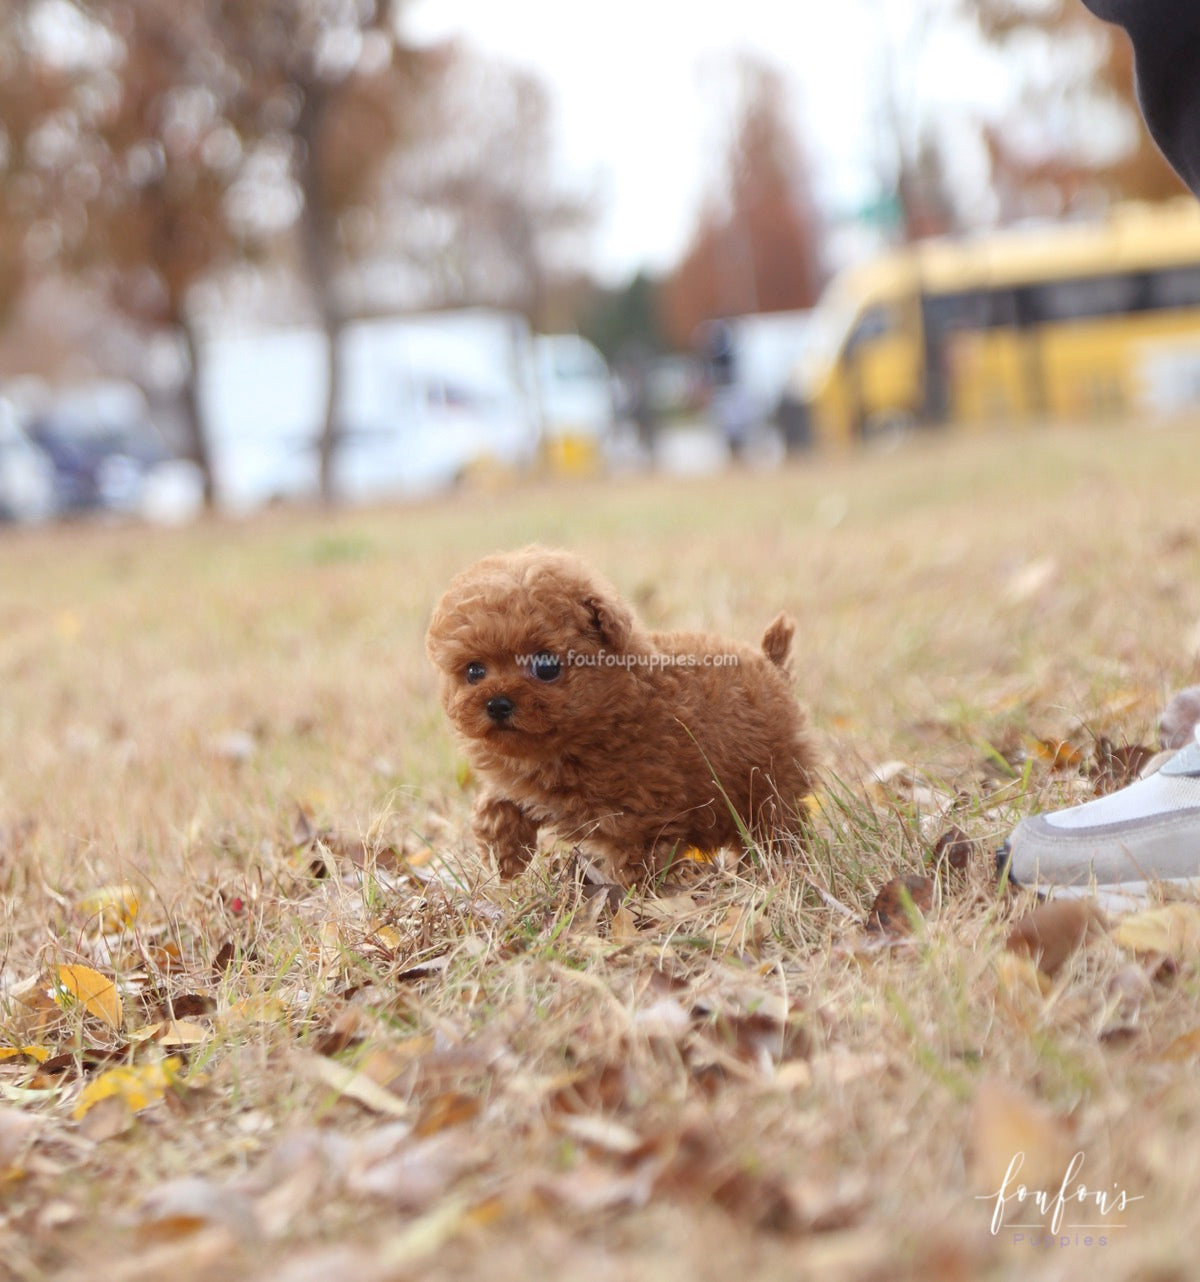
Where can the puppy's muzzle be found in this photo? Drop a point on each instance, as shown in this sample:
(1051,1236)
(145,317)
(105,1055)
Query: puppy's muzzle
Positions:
(500,709)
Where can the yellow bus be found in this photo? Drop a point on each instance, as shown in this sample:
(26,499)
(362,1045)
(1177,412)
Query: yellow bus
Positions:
(1074,321)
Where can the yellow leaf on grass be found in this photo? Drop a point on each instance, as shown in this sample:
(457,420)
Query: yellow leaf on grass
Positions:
(172,1032)
(113,907)
(389,937)
(39,1053)
(137,1086)
(1173,929)
(1058,754)
(96,993)
(696,855)
(259,1009)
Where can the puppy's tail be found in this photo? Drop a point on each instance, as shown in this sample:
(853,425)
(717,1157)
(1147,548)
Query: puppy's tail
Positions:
(777,640)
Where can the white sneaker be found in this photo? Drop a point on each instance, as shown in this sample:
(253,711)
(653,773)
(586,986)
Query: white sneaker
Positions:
(1148,832)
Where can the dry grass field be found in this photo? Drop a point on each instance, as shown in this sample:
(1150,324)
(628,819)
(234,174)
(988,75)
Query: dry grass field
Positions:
(264,1014)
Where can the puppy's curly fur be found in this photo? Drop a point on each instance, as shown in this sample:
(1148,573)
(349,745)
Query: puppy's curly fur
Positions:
(634,744)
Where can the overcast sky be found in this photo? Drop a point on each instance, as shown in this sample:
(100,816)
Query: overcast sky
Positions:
(641,107)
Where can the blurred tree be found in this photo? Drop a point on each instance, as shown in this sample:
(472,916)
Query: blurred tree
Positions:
(185,138)
(20,108)
(121,157)
(156,172)
(483,210)
(757,246)
(1044,155)
(619,319)
(916,198)
(337,89)
(191,135)
(43,107)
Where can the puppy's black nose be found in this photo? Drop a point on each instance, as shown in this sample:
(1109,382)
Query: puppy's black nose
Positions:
(500,708)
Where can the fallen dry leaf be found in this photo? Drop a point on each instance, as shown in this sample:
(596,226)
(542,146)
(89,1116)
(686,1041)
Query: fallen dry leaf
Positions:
(387,1064)
(187,1205)
(622,928)
(137,1086)
(815,1205)
(598,1131)
(452,1108)
(1057,754)
(172,1032)
(348,1029)
(669,910)
(17,1129)
(899,902)
(39,1054)
(952,852)
(111,907)
(95,993)
(1050,933)
(1020,979)
(189,1005)
(596,1186)
(105,1120)
(1010,1129)
(262,1008)
(355,1085)
(427,1234)
(743,928)
(1173,931)
(414,1175)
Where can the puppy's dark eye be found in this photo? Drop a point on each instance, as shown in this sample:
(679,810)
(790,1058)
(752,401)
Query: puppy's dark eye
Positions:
(545,667)
(475,673)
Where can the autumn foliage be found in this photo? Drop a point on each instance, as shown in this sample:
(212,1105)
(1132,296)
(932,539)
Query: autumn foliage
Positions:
(1064,171)
(757,247)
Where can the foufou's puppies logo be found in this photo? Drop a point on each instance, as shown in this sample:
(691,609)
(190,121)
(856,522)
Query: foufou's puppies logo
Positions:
(1094,1212)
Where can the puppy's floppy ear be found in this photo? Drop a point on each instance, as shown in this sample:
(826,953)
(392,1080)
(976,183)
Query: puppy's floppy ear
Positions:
(611,621)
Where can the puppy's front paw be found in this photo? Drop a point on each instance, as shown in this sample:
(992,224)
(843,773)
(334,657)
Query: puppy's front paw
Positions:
(506,832)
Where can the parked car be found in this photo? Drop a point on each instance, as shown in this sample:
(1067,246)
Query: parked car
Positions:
(102,446)
(27,490)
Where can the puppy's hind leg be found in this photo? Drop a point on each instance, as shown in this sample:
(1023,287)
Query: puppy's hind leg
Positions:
(505,832)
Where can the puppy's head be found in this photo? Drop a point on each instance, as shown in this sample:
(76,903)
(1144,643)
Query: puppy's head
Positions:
(529,646)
